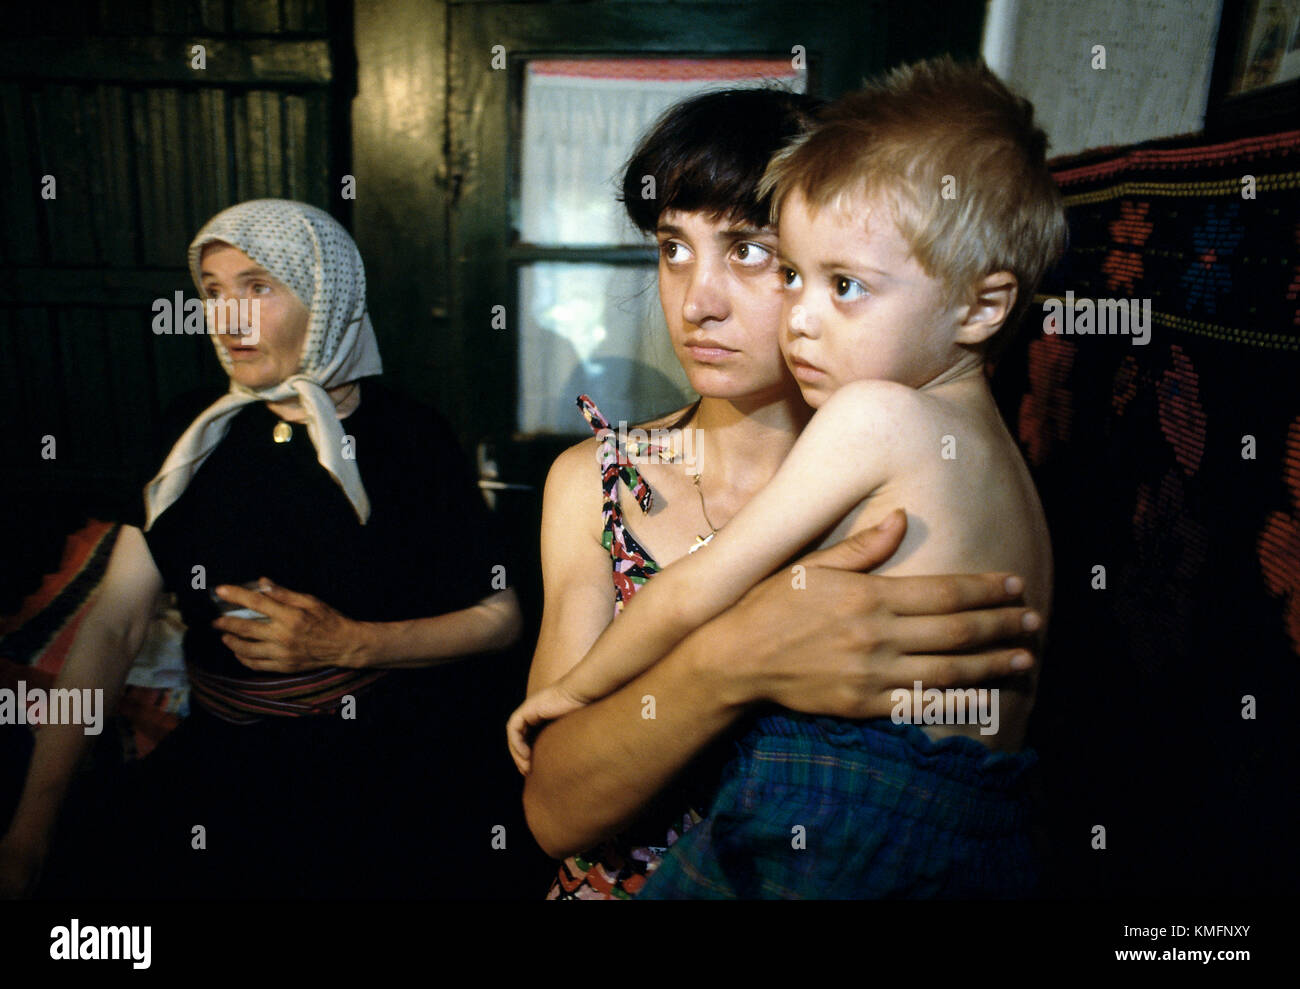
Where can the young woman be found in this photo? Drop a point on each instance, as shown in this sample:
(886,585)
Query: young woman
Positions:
(610,786)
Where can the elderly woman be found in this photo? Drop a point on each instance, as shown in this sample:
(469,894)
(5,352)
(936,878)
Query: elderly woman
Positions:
(310,482)
(609,786)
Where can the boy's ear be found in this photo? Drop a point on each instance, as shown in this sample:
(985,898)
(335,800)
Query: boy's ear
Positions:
(992,299)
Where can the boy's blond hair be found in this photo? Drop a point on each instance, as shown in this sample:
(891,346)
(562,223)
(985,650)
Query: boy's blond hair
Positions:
(958,159)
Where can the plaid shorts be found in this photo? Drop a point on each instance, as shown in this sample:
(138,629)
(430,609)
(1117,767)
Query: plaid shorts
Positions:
(823,808)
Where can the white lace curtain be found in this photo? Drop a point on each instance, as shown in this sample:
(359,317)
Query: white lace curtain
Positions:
(598,328)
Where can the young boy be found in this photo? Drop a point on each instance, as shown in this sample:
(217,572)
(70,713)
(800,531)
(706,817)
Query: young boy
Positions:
(915,222)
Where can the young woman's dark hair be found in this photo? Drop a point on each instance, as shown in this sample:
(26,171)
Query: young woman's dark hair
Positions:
(708,153)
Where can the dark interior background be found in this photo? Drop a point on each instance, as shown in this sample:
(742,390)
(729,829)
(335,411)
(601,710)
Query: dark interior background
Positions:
(297,95)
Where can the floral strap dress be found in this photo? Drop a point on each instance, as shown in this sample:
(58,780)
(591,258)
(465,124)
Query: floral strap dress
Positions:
(618,868)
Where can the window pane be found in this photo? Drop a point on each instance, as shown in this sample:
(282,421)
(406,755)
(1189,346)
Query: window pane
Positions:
(581,120)
(594,329)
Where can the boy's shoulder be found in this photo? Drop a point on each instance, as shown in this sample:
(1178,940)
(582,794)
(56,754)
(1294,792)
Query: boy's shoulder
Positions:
(868,406)
(889,421)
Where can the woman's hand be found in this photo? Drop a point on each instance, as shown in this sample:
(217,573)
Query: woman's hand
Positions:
(299,633)
(840,643)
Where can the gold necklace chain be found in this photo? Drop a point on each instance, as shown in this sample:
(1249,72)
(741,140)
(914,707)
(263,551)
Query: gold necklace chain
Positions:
(704,511)
(669,455)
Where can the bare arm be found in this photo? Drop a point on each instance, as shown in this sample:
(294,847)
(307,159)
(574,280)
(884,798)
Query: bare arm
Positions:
(493,623)
(105,647)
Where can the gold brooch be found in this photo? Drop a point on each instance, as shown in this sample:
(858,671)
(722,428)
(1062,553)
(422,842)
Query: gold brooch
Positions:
(282,433)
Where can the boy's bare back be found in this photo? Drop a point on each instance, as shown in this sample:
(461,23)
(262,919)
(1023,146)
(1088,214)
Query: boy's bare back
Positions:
(971,507)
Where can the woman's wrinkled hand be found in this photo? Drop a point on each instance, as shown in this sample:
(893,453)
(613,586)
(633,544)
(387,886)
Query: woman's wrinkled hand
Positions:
(829,640)
(299,633)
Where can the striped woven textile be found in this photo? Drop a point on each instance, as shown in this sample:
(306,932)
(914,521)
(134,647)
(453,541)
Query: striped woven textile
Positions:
(43,628)
(34,641)
(242,701)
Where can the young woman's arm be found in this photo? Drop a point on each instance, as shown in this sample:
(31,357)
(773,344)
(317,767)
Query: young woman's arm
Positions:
(577,582)
(106,645)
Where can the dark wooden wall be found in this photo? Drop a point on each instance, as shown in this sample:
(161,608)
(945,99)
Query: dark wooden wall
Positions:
(295,95)
(143,148)
(434,131)
(399,128)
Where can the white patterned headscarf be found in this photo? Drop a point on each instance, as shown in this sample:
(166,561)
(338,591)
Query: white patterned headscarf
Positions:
(307,250)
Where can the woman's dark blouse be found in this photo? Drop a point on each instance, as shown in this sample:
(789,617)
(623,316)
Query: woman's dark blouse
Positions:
(322,806)
(259,508)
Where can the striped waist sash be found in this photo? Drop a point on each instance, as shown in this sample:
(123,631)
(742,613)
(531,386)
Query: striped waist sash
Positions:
(244,701)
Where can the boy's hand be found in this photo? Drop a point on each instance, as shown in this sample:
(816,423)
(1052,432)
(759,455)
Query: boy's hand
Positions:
(547,704)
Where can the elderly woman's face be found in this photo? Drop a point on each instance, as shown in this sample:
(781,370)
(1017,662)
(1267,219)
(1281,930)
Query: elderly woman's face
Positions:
(721,294)
(272,354)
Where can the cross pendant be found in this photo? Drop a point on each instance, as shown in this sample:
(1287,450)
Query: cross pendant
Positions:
(702,541)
